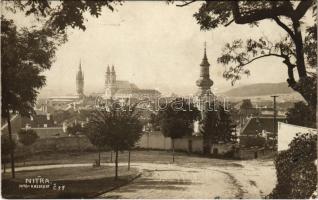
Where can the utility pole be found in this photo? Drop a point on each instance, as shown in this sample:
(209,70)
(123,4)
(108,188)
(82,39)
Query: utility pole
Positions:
(275,115)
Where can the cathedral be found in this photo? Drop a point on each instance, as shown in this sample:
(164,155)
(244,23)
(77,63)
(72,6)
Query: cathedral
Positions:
(115,89)
(119,89)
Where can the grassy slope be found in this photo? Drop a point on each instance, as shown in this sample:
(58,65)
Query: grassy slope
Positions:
(80,182)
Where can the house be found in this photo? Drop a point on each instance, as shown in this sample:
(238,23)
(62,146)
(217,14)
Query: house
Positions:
(258,130)
(39,120)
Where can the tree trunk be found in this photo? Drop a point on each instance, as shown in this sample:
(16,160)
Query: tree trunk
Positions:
(116,164)
(4,168)
(300,62)
(128,160)
(111,156)
(24,156)
(78,143)
(206,143)
(98,157)
(306,85)
(147,141)
(173,150)
(11,149)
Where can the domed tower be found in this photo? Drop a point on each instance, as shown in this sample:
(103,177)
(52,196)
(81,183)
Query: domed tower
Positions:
(204,98)
(80,81)
(204,82)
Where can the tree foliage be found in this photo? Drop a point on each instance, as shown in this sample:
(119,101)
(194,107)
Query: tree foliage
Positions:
(293,51)
(61,14)
(217,126)
(310,44)
(176,119)
(75,129)
(154,121)
(61,115)
(119,129)
(301,115)
(27,137)
(25,54)
(296,170)
(246,104)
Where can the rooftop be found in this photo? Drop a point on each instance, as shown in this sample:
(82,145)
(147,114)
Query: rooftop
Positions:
(258,124)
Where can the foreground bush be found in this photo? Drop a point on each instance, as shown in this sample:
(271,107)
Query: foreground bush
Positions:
(296,169)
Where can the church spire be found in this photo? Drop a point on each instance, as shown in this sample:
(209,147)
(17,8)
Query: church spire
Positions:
(113,75)
(205,61)
(108,70)
(113,69)
(204,82)
(107,80)
(80,80)
(79,74)
(80,66)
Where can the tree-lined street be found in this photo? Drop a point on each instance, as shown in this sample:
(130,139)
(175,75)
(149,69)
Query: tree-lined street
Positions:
(188,177)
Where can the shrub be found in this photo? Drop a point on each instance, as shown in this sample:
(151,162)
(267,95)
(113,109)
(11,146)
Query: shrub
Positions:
(296,170)
(252,141)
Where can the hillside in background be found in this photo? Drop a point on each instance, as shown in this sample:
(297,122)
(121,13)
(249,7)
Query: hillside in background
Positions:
(260,89)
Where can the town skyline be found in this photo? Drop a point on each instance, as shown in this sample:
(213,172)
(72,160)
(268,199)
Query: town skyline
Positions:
(135,100)
(154,58)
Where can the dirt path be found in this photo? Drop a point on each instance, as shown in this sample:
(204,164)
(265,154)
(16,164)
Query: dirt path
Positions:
(173,181)
(241,179)
(247,179)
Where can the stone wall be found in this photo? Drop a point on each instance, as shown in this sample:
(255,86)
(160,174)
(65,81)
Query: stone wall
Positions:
(189,144)
(154,140)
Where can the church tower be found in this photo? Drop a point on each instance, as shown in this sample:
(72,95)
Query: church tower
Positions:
(113,75)
(204,98)
(80,81)
(110,83)
(204,82)
(107,79)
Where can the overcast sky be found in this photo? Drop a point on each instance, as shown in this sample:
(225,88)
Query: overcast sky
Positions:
(155,45)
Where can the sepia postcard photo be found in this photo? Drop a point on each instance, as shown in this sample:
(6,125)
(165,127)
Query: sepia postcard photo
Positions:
(184,99)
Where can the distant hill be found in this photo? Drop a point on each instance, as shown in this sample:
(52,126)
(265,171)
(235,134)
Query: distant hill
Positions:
(259,89)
